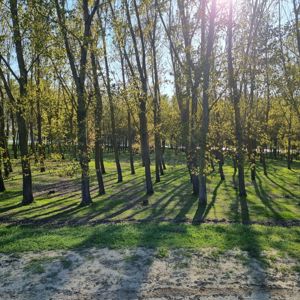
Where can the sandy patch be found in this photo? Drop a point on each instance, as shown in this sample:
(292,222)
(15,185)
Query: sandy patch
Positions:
(146,274)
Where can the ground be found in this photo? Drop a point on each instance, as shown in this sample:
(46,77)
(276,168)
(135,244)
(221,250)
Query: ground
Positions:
(275,197)
(119,249)
(146,274)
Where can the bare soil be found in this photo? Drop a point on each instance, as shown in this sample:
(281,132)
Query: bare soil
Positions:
(147,274)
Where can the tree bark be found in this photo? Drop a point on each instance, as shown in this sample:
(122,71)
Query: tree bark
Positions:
(41,148)
(142,69)
(111,106)
(156,103)
(205,106)
(23,79)
(130,143)
(235,98)
(98,118)
(2,141)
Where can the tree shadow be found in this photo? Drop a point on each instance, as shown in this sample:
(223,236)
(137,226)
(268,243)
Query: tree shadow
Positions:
(204,209)
(281,187)
(266,199)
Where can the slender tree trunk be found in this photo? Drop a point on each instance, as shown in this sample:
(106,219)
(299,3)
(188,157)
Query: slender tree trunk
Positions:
(112,109)
(23,79)
(13,130)
(234,161)
(82,147)
(235,96)
(145,145)
(41,149)
(102,166)
(205,106)
(130,143)
(163,155)
(2,141)
(98,118)
(253,165)
(263,161)
(6,154)
(221,164)
(289,158)
(142,69)
(79,76)
(156,103)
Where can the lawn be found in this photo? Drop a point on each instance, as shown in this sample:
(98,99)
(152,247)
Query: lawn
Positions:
(56,221)
(271,198)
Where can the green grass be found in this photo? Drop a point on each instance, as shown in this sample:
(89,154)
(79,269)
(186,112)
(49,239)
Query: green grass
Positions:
(254,239)
(272,197)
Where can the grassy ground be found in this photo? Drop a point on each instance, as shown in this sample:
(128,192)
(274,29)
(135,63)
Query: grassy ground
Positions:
(272,198)
(270,249)
(254,239)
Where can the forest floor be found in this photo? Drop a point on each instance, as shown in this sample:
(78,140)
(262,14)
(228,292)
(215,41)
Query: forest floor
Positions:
(143,273)
(274,198)
(117,248)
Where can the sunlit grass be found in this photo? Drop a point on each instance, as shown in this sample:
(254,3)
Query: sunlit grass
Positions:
(275,197)
(254,239)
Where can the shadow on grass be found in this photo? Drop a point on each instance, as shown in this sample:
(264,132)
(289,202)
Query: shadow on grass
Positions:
(204,209)
(281,187)
(7,195)
(265,199)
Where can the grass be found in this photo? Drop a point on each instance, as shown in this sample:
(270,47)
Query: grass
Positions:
(271,198)
(254,239)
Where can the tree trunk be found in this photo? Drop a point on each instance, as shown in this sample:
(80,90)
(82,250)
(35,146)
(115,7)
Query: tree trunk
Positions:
(112,109)
(98,118)
(263,161)
(156,103)
(163,154)
(235,97)
(4,140)
(23,79)
(13,130)
(2,137)
(289,157)
(234,161)
(221,163)
(145,146)
(41,149)
(253,165)
(205,106)
(83,149)
(130,144)
(140,57)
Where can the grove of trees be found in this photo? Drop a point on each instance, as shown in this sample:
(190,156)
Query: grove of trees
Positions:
(214,79)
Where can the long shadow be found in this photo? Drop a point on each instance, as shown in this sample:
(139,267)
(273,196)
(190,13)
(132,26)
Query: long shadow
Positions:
(248,241)
(281,187)
(137,200)
(73,194)
(7,195)
(213,200)
(160,212)
(7,208)
(244,210)
(204,209)
(156,213)
(234,214)
(266,199)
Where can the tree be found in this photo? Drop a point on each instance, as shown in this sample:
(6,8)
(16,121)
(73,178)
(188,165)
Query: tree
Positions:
(79,77)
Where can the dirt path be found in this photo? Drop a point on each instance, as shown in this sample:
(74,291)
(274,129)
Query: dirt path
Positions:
(146,274)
